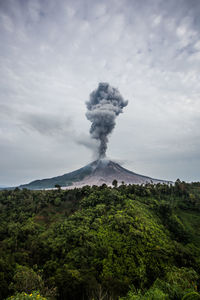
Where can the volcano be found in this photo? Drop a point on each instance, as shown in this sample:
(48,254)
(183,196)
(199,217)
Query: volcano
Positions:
(96,173)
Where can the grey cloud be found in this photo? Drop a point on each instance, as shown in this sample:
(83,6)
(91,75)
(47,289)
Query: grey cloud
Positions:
(46,124)
(53,53)
(86,141)
(58,128)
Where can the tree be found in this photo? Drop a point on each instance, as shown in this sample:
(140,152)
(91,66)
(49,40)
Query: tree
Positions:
(58,186)
(114,183)
(26,280)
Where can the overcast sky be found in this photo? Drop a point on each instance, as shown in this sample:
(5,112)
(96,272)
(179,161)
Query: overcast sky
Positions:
(54,53)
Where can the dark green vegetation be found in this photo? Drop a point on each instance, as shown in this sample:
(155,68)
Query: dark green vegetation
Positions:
(133,242)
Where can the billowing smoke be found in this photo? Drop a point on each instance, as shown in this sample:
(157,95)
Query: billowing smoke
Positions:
(104,106)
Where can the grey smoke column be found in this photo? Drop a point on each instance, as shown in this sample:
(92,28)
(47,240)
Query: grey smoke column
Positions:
(104,106)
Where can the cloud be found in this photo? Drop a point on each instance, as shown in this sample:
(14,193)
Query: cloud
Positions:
(53,54)
(90,144)
(46,124)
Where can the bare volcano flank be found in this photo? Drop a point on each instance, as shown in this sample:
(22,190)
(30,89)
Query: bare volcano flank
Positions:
(96,173)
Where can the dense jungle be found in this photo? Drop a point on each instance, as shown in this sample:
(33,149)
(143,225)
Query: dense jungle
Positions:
(93,243)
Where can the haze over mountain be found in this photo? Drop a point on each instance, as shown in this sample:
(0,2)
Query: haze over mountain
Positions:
(96,173)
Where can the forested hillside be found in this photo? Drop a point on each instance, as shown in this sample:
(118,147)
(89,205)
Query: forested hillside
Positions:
(127,242)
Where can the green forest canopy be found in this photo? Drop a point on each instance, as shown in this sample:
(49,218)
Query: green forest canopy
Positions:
(128,242)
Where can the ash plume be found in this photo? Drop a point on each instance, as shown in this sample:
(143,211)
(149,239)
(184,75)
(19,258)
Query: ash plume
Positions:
(104,106)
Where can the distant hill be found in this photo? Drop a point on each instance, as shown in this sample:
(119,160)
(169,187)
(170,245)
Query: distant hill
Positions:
(95,173)
(2,187)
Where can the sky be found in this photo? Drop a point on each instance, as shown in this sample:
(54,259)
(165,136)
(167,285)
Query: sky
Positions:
(53,54)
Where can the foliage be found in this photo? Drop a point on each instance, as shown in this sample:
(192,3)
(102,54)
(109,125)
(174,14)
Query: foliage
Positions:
(129,241)
(24,296)
(191,296)
(26,280)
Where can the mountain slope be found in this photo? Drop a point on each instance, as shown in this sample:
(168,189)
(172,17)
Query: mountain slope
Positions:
(95,173)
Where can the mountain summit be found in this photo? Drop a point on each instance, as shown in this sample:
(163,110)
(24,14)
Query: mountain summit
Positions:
(96,173)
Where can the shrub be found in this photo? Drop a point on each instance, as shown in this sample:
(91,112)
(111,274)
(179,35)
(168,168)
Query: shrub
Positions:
(23,296)
(191,296)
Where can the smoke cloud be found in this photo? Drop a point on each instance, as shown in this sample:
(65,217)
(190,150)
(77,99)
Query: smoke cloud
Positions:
(104,106)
